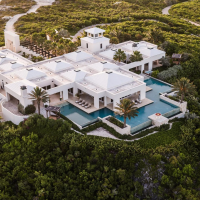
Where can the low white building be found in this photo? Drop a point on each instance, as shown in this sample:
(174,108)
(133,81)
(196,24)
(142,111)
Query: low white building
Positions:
(89,71)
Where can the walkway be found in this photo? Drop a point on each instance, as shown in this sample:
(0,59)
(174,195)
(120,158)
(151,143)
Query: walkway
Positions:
(165,11)
(10,24)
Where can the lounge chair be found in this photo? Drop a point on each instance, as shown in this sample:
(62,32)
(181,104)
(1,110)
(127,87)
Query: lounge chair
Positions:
(139,101)
(134,102)
(78,101)
(82,102)
(85,104)
(88,106)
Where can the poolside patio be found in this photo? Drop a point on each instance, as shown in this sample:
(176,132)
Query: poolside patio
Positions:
(88,99)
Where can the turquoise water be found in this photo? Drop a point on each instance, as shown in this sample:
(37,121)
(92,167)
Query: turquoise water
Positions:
(80,117)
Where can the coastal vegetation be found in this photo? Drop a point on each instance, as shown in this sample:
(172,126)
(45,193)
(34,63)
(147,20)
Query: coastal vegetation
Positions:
(11,8)
(188,10)
(45,159)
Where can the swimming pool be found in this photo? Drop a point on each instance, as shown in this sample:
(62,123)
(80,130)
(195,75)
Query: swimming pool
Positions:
(80,117)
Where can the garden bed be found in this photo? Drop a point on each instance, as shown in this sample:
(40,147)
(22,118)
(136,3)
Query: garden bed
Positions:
(116,122)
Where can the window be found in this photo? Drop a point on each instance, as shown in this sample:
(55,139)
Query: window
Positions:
(92,35)
(101,46)
(48,87)
(87,45)
(96,35)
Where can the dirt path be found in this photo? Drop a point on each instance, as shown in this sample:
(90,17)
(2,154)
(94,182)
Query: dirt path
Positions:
(10,24)
(165,11)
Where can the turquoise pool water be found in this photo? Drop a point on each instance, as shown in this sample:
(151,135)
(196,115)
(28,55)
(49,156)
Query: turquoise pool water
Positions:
(80,117)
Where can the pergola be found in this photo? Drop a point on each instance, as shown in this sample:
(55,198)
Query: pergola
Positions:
(55,111)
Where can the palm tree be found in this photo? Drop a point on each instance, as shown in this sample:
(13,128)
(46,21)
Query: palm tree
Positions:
(183,87)
(38,94)
(136,56)
(119,55)
(126,108)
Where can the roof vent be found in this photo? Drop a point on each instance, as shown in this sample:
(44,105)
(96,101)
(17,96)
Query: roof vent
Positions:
(114,49)
(29,69)
(23,87)
(134,45)
(2,56)
(77,70)
(13,62)
(58,61)
(104,62)
(78,51)
(109,72)
(150,48)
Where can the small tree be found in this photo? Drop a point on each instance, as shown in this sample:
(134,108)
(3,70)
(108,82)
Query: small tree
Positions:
(114,40)
(38,94)
(63,33)
(119,55)
(136,56)
(183,87)
(126,109)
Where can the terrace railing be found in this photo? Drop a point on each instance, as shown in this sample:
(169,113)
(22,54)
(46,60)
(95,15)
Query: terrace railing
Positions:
(172,113)
(141,126)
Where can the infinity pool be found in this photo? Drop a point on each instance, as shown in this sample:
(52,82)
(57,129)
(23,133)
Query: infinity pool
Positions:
(80,117)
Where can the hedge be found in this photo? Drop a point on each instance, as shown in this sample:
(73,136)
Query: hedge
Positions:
(115,121)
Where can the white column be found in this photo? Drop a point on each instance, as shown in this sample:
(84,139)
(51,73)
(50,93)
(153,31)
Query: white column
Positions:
(7,97)
(61,95)
(96,102)
(105,101)
(108,100)
(150,66)
(75,91)
(142,68)
(65,94)
(115,101)
(142,94)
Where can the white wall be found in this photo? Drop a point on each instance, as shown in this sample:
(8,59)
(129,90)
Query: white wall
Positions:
(12,41)
(25,101)
(94,47)
(183,106)
(9,116)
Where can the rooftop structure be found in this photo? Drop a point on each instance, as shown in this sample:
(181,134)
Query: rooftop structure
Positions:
(95,41)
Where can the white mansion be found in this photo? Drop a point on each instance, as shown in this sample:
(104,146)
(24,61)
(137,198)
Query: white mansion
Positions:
(89,71)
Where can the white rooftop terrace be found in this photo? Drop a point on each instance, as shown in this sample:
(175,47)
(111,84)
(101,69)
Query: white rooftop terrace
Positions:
(109,79)
(15,57)
(15,87)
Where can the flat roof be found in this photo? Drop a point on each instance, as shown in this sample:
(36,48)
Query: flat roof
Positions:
(109,79)
(95,30)
(78,55)
(15,87)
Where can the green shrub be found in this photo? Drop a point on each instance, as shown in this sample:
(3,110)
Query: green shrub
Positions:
(169,73)
(155,73)
(21,109)
(30,109)
(116,122)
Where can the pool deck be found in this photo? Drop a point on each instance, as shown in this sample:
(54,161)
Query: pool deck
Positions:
(88,99)
(92,109)
(148,89)
(145,102)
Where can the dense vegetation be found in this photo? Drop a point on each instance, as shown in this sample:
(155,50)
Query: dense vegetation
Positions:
(13,7)
(45,159)
(188,10)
